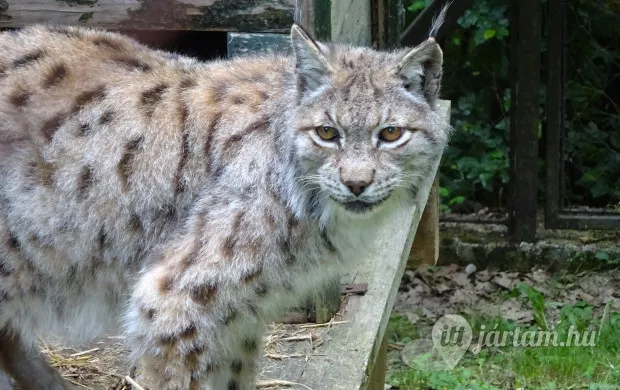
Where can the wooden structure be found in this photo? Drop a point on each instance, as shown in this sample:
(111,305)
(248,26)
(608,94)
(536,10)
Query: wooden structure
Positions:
(205,15)
(425,250)
(352,355)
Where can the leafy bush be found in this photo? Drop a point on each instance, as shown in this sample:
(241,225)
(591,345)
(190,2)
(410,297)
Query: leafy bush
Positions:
(592,145)
(476,79)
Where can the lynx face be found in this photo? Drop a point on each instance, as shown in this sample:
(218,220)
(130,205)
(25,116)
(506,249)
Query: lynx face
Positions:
(366,121)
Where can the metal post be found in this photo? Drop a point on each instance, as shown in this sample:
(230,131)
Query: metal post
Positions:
(554,202)
(524,124)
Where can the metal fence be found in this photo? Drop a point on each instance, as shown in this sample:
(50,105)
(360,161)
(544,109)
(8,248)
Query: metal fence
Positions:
(558,214)
(526,37)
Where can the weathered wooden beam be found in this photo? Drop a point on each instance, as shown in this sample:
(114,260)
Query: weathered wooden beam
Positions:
(388,22)
(425,249)
(525,46)
(239,44)
(207,15)
(377,377)
(351,22)
(315,18)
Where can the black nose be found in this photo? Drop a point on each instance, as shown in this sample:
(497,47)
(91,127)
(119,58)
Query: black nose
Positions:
(357,187)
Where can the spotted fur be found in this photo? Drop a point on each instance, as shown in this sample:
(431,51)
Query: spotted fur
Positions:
(188,202)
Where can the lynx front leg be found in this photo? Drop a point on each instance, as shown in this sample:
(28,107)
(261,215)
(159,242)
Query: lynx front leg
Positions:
(171,335)
(250,347)
(26,365)
(194,335)
(239,371)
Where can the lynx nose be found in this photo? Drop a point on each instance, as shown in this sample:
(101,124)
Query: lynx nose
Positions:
(357,177)
(357,187)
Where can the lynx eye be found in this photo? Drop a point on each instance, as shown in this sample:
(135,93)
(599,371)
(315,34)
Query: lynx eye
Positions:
(391,133)
(327,133)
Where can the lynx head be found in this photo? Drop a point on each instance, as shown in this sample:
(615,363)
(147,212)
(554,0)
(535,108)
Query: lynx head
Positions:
(367,121)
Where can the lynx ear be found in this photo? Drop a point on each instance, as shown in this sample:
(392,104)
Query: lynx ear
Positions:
(420,69)
(312,68)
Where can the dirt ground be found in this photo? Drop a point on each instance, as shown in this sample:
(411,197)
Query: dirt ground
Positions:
(424,296)
(427,294)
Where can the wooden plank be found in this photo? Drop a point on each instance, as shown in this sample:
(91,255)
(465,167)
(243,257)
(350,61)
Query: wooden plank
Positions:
(240,44)
(342,21)
(425,249)
(351,22)
(388,19)
(377,378)
(343,357)
(208,15)
(315,17)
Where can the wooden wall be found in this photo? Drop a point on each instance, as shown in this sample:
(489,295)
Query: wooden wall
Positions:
(207,15)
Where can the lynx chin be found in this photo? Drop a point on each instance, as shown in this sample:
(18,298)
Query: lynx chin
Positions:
(189,203)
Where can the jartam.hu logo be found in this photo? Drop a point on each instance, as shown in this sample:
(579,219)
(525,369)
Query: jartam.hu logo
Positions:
(452,336)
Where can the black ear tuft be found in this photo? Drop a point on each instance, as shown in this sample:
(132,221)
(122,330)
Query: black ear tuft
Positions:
(438,21)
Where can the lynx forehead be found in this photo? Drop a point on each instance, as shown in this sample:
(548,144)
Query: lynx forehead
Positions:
(182,199)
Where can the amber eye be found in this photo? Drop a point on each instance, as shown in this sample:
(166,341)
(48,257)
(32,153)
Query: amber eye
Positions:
(327,133)
(391,133)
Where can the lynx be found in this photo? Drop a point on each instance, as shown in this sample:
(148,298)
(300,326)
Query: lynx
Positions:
(187,202)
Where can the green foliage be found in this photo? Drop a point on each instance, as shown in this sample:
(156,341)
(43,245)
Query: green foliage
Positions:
(418,5)
(593,102)
(475,165)
(400,330)
(537,301)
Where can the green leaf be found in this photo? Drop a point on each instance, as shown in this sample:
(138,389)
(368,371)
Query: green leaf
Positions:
(457,200)
(417,5)
(537,300)
(602,255)
(599,189)
(488,34)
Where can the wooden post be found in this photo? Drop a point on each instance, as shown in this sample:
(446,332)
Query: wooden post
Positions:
(388,21)
(377,376)
(425,249)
